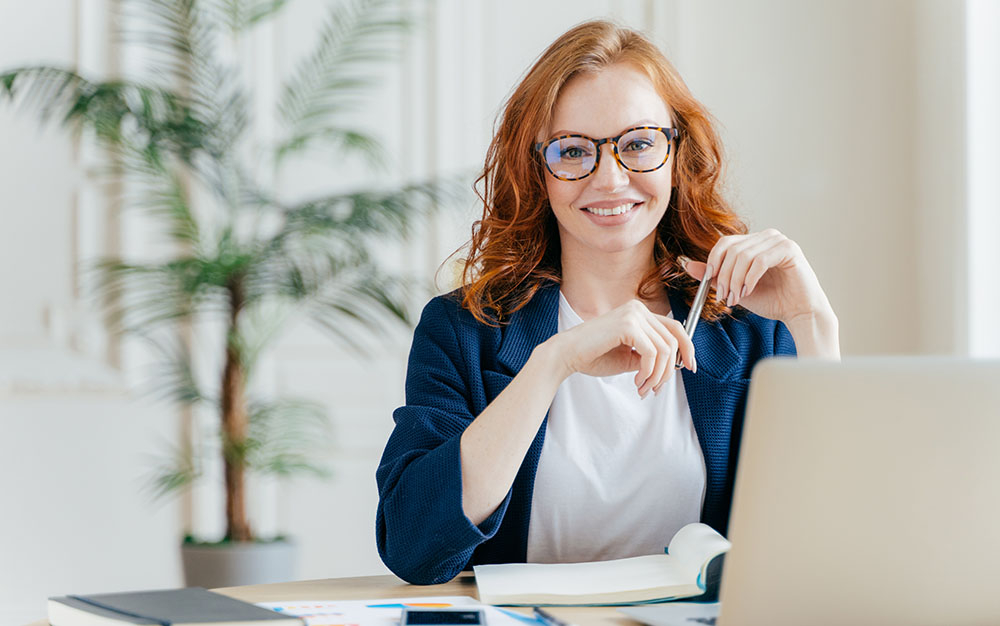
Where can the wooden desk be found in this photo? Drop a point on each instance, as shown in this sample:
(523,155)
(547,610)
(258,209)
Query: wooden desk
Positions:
(366,587)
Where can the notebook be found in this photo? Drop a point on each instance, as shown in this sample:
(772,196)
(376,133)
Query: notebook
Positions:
(688,568)
(175,607)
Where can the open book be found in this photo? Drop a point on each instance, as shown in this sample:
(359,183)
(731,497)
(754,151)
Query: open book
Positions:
(691,567)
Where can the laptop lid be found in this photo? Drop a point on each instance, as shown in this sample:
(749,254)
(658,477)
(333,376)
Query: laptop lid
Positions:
(867,492)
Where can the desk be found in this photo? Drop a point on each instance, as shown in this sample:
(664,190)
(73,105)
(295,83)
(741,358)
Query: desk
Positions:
(366,587)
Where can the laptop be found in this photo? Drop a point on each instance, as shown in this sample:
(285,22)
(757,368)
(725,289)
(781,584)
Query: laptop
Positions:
(867,492)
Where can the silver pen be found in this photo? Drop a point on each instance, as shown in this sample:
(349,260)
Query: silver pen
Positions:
(692,319)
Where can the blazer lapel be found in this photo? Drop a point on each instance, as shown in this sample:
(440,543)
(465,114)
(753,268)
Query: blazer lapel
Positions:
(713,349)
(531,325)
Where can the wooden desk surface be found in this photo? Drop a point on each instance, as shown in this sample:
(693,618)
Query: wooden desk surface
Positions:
(366,587)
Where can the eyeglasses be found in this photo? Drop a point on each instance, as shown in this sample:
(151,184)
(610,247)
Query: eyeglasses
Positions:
(639,149)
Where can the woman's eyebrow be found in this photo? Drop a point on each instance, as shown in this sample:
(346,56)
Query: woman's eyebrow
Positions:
(642,122)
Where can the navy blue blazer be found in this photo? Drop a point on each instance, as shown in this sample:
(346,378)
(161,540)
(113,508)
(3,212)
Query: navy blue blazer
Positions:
(457,366)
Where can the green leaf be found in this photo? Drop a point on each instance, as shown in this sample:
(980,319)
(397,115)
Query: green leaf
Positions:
(288,436)
(240,15)
(173,472)
(333,79)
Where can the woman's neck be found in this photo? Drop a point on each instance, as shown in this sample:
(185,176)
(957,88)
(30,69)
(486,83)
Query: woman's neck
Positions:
(595,283)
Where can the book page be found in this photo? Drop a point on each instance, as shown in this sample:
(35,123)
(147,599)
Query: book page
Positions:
(694,545)
(622,581)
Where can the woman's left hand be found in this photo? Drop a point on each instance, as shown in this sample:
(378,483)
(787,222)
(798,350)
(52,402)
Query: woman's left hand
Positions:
(766,273)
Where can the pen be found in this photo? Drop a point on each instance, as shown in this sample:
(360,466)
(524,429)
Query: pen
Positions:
(692,319)
(549,619)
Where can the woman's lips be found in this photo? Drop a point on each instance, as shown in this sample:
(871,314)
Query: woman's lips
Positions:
(613,220)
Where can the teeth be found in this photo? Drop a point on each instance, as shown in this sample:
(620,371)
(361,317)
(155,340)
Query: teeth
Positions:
(618,210)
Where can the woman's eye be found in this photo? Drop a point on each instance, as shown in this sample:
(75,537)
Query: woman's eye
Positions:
(573,152)
(638,145)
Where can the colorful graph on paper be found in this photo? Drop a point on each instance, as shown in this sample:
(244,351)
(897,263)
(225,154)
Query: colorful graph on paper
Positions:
(381,612)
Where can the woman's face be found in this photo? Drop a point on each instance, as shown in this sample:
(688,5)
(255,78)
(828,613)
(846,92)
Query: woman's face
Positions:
(599,105)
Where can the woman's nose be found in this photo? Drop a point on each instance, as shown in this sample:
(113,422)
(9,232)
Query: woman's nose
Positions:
(609,173)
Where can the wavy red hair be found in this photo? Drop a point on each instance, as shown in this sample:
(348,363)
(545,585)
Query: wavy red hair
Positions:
(514,247)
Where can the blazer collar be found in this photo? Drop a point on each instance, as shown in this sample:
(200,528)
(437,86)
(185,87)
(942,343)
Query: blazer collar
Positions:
(539,319)
(529,326)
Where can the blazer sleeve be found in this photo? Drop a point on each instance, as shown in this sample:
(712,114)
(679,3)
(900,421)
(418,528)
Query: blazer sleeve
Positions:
(422,533)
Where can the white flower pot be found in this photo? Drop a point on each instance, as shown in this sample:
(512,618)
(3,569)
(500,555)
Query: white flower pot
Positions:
(230,564)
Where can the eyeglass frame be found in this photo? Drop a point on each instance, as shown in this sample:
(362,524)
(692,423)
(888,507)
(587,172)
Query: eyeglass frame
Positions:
(670,133)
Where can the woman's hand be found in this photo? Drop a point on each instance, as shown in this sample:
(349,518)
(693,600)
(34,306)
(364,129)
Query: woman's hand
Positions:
(629,338)
(767,273)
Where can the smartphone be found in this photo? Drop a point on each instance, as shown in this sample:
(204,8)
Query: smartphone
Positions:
(452,616)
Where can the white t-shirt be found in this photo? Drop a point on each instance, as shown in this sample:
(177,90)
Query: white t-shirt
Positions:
(618,475)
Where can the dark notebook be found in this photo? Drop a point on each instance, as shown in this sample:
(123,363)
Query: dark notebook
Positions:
(168,607)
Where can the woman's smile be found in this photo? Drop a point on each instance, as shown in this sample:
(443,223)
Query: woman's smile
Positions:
(604,215)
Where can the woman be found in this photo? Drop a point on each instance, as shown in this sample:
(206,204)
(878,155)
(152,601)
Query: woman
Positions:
(543,421)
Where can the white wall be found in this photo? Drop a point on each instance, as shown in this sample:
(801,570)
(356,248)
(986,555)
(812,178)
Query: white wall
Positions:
(844,122)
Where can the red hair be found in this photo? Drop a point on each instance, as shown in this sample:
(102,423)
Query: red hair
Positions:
(514,248)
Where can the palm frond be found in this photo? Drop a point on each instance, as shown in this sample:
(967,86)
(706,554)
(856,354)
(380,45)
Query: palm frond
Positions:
(335,138)
(177,37)
(241,15)
(174,378)
(141,296)
(369,213)
(363,304)
(180,37)
(356,34)
(260,323)
(151,119)
(287,436)
(174,472)
(160,191)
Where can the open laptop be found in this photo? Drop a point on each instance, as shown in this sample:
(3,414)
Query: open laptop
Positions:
(867,492)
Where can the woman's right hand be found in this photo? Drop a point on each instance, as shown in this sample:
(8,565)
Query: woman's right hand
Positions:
(630,338)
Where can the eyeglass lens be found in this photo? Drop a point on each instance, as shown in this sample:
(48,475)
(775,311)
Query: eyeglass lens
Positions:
(640,150)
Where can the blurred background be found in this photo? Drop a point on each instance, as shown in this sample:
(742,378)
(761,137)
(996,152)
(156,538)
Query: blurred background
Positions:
(864,130)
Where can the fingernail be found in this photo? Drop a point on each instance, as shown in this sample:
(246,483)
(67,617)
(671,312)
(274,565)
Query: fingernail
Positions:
(730,299)
(709,270)
(683,260)
(695,370)
(743,294)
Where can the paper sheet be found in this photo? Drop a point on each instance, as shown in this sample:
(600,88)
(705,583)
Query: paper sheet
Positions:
(386,612)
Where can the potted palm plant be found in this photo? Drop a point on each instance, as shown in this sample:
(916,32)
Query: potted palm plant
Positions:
(181,137)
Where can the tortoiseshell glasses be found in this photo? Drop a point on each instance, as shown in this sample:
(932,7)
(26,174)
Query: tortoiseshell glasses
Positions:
(639,149)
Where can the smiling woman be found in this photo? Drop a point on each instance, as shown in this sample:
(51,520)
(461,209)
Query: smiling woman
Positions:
(529,431)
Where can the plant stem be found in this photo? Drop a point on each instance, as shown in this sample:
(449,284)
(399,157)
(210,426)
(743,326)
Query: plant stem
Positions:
(234,424)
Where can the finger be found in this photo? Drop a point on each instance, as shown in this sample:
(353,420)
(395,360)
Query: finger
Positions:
(677,335)
(780,248)
(682,345)
(694,269)
(667,345)
(757,270)
(664,355)
(639,340)
(715,258)
(723,285)
(743,259)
